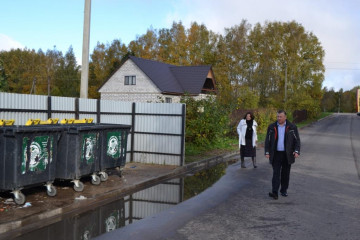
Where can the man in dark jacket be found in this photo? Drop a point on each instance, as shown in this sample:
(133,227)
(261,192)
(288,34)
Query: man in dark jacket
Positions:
(282,146)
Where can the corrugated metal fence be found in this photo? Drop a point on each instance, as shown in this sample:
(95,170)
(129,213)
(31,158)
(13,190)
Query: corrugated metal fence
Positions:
(158,129)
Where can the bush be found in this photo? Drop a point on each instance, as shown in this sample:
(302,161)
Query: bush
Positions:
(206,121)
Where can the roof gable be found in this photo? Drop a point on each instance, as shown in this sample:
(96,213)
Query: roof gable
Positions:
(191,78)
(171,78)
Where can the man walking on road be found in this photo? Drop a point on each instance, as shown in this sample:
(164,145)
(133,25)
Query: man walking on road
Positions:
(282,146)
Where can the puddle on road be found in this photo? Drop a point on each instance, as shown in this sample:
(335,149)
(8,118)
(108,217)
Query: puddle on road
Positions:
(131,208)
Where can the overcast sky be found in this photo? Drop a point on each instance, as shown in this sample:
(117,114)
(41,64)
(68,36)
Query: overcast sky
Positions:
(44,24)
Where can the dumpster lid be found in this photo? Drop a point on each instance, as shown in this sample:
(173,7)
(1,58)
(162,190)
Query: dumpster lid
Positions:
(99,126)
(32,129)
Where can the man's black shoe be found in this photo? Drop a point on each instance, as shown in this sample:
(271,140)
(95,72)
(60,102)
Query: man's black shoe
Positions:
(273,195)
(284,194)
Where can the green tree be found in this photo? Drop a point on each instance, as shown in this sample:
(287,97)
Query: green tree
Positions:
(145,46)
(68,76)
(105,60)
(201,45)
(231,64)
(173,47)
(248,99)
(53,59)
(3,79)
(328,102)
(21,67)
(285,54)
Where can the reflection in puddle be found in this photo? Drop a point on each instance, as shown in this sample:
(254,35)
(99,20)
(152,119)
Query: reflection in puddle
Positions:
(202,180)
(133,207)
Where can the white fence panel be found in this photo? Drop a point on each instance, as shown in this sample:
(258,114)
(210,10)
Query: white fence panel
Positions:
(157,159)
(116,119)
(115,106)
(62,104)
(88,105)
(158,124)
(157,143)
(159,108)
(23,101)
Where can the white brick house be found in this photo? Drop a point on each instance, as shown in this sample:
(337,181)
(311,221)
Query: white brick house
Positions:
(142,80)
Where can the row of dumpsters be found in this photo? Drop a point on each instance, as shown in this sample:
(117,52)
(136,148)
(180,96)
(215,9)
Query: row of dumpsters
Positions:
(40,152)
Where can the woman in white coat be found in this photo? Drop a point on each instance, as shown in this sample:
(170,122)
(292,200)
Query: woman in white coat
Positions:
(247,138)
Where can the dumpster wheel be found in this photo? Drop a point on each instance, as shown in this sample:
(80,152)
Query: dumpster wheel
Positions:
(103,176)
(19,197)
(78,186)
(95,179)
(51,191)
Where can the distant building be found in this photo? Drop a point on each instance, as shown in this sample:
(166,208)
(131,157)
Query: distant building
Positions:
(142,80)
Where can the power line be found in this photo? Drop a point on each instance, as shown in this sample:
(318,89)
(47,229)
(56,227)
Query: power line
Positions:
(343,62)
(346,69)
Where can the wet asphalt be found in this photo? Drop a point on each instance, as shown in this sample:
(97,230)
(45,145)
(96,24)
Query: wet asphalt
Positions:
(323,201)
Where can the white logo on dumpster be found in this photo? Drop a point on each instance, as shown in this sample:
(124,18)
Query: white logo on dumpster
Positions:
(89,148)
(35,153)
(113,145)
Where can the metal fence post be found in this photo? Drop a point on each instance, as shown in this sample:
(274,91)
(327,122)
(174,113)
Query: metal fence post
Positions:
(132,131)
(98,104)
(183,116)
(76,108)
(49,106)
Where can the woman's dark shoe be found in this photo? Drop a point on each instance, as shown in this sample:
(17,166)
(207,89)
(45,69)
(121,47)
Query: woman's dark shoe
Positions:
(243,163)
(273,195)
(254,162)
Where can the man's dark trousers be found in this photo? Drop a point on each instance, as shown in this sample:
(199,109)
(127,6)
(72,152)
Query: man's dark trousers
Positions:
(281,172)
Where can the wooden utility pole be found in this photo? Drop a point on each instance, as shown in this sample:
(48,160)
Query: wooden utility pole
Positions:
(85,51)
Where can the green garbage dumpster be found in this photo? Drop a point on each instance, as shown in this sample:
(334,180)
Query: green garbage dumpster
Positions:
(78,154)
(113,147)
(27,158)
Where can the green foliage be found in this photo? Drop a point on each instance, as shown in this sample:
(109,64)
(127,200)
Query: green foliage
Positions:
(3,80)
(264,117)
(27,71)
(68,76)
(206,121)
(339,101)
(247,99)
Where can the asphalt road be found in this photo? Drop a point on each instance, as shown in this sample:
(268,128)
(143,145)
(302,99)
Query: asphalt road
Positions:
(323,201)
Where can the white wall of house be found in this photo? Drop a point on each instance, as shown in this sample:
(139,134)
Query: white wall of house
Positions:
(143,91)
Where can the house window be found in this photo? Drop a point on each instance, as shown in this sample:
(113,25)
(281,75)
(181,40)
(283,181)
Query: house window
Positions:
(130,80)
(168,100)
